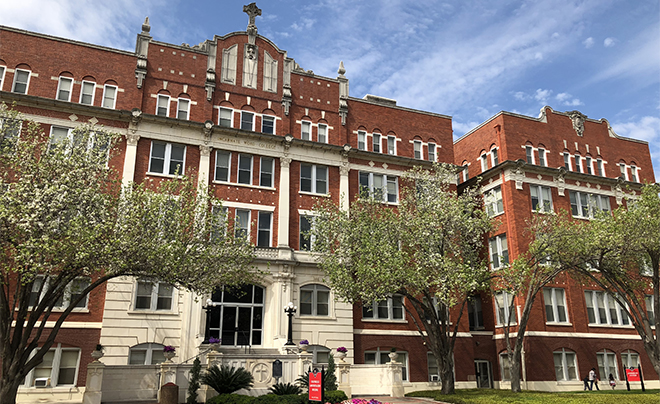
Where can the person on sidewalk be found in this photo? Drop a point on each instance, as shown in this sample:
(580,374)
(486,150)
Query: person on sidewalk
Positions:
(593,379)
(612,381)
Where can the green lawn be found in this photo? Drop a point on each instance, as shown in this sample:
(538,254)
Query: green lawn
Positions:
(489,396)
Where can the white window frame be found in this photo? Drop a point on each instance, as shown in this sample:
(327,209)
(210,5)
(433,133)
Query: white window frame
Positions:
(475,313)
(633,173)
(245,113)
(554,299)
(322,135)
(565,363)
(270,118)
(66,297)
(484,162)
(104,103)
(239,170)
(68,140)
(588,165)
(217,166)
(10,137)
(315,179)
(600,167)
(377,142)
(529,154)
(389,302)
(604,359)
(623,170)
(505,367)
(154,295)
(53,379)
(301,237)
(386,181)
(165,108)
(261,229)
(610,307)
(231,117)
(593,202)
(493,201)
(543,198)
(27,83)
(650,312)
(417,148)
(567,161)
(149,349)
(314,289)
(238,229)
(502,312)
(381,355)
(494,156)
(466,172)
(186,111)
(627,360)
(263,163)
(306,134)
(362,140)
(61,90)
(432,152)
(543,153)
(391,145)
(3,70)
(229,63)
(497,251)
(167,159)
(577,159)
(82,92)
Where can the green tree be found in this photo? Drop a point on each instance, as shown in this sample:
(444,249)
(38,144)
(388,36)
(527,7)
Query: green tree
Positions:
(67,226)
(429,250)
(193,382)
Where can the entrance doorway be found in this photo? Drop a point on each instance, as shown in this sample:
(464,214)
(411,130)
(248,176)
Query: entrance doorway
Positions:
(482,371)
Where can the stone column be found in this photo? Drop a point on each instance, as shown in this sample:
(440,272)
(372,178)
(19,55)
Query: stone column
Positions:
(343,186)
(394,374)
(344,378)
(205,392)
(304,362)
(283,211)
(94,384)
(129,159)
(204,166)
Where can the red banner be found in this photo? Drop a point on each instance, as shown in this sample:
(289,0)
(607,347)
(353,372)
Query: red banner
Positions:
(633,375)
(315,386)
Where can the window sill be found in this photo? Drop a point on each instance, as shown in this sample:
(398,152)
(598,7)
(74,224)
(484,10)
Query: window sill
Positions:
(629,327)
(152,312)
(383,320)
(314,194)
(558,323)
(496,214)
(502,325)
(164,175)
(313,317)
(236,184)
(61,388)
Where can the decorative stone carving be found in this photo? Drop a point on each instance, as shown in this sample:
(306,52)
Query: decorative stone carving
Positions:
(287,98)
(73,117)
(577,118)
(343,93)
(560,182)
(618,190)
(93,120)
(141,70)
(208,131)
(250,66)
(209,86)
(344,169)
(252,11)
(136,116)
(519,174)
(205,150)
(385,166)
(146,27)
(132,139)
(285,162)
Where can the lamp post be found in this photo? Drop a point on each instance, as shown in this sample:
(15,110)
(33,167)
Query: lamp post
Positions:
(207,332)
(290,310)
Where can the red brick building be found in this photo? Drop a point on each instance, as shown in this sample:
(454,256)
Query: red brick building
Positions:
(268,138)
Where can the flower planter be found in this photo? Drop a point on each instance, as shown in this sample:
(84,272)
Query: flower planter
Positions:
(169,355)
(340,356)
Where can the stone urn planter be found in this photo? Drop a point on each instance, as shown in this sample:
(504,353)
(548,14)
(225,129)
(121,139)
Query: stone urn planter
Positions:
(393,356)
(303,348)
(169,355)
(215,346)
(97,355)
(341,356)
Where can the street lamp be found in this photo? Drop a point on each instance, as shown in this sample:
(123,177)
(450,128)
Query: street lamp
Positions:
(290,310)
(207,334)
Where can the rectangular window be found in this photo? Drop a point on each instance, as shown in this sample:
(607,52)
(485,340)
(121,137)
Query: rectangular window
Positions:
(390,309)
(565,365)
(529,154)
(376,142)
(109,96)
(163,105)
(567,161)
(499,251)
(183,109)
(267,167)
(391,145)
(247,120)
(584,205)
(87,92)
(648,302)
(475,313)
(268,124)
(578,165)
(225,117)
(432,152)
(314,300)
(381,357)
(633,174)
(494,157)
(222,165)
(484,163)
(503,301)
(603,309)
(542,161)
(58,368)
(362,140)
(64,88)
(264,229)
(588,165)
(541,198)
(599,164)
(72,292)
(314,179)
(242,224)
(306,130)
(466,173)
(417,146)
(21,81)
(2,76)
(493,200)
(555,305)
(153,295)
(245,169)
(10,130)
(380,186)
(167,158)
(505,367)
(306,240)
(219,222)
(60,138)
(624,171)
(323,133)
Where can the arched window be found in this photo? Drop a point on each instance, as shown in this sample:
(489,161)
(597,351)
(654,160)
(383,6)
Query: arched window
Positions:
(565,365)
(607,364)
(629,360)
(320,354)
(314,300)
(237,316)
(146,354)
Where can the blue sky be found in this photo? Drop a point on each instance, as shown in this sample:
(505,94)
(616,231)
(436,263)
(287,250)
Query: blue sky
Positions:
(466,58)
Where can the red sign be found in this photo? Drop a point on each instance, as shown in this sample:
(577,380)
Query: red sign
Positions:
(315,386)
(633,375)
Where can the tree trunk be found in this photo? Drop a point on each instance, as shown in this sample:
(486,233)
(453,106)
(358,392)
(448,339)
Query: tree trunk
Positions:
(8,390)
(447,377)
(515,371)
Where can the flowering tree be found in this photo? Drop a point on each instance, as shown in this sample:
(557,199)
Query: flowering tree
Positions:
(67,226)
(429,250)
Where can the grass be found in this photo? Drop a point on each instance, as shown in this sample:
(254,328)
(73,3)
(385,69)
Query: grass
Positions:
(491,396)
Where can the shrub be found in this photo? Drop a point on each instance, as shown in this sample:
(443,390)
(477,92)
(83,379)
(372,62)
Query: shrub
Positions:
(193,383)
(266,399)
(282,389)
(335,396)
(225,379)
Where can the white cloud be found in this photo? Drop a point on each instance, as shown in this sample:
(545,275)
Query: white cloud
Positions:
(461,128)
(542,95)
(567,99)
(304,24)
(520,96)
(588,43)
(645,128)
(609,42)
